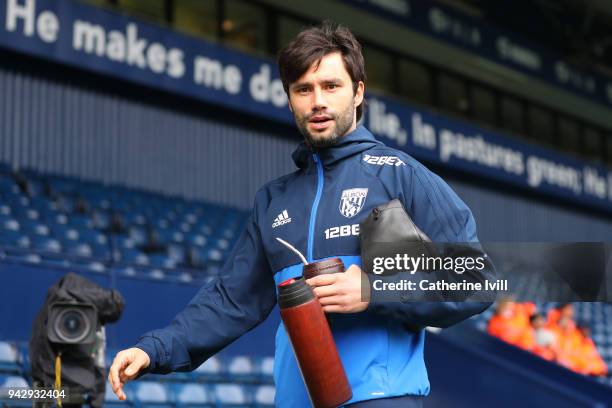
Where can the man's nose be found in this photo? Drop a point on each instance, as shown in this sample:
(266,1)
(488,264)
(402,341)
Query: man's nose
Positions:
(319,99)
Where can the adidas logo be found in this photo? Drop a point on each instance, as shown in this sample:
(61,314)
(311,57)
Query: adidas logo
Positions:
(281,219)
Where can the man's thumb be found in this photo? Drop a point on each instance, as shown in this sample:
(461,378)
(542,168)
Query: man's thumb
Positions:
(131,370)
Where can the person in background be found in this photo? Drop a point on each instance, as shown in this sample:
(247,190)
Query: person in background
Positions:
(543,339)
(511,322)
(591,362)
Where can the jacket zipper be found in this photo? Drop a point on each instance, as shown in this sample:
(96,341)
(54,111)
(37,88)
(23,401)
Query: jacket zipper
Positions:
(315,206)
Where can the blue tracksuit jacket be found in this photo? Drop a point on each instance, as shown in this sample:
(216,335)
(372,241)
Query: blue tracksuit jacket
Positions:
(317,209)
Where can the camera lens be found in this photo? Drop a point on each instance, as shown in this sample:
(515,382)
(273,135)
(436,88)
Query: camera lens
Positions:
(72,325)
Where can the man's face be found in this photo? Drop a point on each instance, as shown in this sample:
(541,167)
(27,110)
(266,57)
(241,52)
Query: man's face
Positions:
(323,102)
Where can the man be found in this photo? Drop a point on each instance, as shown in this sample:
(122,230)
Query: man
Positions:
(340,179)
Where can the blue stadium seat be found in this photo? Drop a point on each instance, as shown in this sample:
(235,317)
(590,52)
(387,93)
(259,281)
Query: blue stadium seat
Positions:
(241,368)
(60,260)
(135,219)
(192,395)
(161,261)
(9,358)
(125,270)
(156,274)
(176,253)
(210,370)
(23,257)
(10,224)
(215,255)
(8,185)
(80,222)
(264,396)
(14,239)
(5,216)
(24,357)
(46,244)
(151,394)
(5,210)
(11,382)
(133,256)
(78,249)
(185,277)
(266,369)
(197,239)
(231,395)
(40,229)
(90,265)
(16,200)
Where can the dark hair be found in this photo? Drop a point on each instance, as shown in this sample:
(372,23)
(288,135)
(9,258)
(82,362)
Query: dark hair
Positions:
(535,316)
(314,43)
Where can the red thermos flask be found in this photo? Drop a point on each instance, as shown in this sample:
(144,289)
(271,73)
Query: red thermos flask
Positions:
(313,345)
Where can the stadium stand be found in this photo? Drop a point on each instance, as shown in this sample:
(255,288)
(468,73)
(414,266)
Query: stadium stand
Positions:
(60,222)
(590,314)
(220,382)
(66,222)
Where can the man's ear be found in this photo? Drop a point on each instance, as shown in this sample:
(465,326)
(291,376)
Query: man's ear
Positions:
(289,104)
(359,93)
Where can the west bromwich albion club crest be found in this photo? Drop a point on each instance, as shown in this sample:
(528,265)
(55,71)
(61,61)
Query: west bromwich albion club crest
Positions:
(352,201)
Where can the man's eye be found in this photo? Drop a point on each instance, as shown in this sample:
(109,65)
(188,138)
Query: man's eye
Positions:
(302,90)
(332,86)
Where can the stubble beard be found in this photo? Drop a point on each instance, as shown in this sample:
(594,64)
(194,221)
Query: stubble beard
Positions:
(342,122)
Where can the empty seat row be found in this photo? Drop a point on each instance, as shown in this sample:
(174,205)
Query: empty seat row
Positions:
(152,393)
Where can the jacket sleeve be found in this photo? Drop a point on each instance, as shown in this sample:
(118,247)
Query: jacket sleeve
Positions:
(223,310)
(445,218)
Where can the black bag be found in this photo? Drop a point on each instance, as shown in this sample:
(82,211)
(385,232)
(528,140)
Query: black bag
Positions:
(388,231)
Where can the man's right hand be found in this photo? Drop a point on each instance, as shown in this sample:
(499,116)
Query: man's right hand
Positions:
(126,366)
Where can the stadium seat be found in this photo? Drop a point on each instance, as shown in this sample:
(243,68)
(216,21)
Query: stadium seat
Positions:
(12,382)
(192,395)
(24,357)
(78,249)
(10,224)
(231,395)
(46,244)
(9,358)
(157,274)
(210,370)
(240,368)
(151,394)
(14,239)
(264,396)
(266,369)
(185,277)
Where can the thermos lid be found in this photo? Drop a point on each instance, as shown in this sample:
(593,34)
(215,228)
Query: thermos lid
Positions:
(294,292)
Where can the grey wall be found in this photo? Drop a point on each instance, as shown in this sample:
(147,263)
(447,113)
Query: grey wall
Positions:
(72,131)
(63,129)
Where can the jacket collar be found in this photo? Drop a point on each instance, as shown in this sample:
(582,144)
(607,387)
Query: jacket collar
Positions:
(355,142)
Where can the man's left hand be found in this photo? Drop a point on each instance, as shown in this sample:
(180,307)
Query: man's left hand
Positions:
(340,292)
